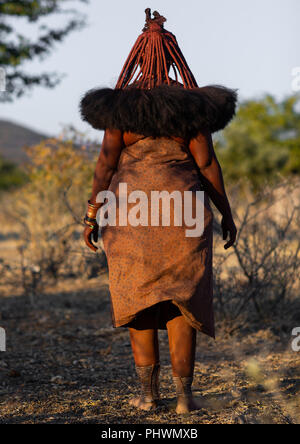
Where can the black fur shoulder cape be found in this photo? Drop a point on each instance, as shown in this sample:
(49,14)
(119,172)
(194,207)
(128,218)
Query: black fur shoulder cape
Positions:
(163,111)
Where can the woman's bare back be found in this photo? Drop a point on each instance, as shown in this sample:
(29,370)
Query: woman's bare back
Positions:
(131,138)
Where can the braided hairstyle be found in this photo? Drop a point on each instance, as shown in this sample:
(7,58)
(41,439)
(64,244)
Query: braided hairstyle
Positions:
(153,54)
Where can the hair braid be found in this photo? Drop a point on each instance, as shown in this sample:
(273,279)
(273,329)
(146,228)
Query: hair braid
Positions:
(154,52)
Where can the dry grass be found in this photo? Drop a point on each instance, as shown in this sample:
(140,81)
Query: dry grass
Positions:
(65,364)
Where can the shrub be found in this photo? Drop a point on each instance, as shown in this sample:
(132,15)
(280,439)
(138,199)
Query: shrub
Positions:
(260,274)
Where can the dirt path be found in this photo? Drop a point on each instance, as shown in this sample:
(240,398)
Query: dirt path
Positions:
(65,364)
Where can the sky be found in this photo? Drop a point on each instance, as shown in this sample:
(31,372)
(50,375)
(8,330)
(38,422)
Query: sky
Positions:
(249,45)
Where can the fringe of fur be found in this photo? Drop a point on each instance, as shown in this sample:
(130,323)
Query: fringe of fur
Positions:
(164,111)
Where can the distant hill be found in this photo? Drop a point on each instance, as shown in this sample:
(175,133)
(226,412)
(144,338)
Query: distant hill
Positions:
(14,137)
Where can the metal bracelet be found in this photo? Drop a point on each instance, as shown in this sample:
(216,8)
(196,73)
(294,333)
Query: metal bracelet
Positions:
(90,219)
(97,205)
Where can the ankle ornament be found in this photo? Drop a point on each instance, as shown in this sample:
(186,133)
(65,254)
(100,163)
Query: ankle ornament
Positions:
(149,379)
(183,386)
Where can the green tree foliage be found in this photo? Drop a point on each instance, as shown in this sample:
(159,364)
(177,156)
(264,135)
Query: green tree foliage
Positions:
(262,141)
(17,49)
(11,176)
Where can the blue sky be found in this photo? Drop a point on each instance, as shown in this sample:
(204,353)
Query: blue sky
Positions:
(249,45)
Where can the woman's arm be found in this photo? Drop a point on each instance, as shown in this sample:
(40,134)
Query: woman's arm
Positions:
(106,166)
(107,162)
(202,150)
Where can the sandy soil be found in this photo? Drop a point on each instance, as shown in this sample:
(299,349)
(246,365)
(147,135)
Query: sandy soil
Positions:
(65,364)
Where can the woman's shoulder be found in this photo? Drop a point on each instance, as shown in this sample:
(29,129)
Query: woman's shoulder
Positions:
(130,138)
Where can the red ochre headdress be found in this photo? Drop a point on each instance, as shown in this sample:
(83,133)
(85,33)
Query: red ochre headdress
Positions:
(153,54)
(147,101)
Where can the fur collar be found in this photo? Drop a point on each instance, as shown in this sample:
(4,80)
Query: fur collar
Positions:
(163,111)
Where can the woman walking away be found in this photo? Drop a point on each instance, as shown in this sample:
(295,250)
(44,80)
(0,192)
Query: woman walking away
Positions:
(158,144)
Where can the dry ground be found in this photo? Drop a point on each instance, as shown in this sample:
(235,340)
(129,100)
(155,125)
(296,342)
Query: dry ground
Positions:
(65,364)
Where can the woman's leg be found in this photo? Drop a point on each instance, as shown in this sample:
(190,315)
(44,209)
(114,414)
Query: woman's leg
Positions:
(182,344)
(144,344)
(145,348)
